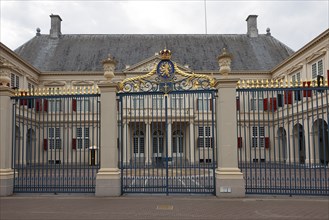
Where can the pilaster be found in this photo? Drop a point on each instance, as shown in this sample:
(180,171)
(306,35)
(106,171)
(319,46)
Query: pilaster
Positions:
(108,177)
(6,125)
(229,179)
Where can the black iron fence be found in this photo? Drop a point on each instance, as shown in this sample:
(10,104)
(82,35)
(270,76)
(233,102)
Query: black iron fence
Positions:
(283,137)
(56,144)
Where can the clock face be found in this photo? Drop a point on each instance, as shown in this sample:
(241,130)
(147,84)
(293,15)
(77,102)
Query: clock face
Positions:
(165,70)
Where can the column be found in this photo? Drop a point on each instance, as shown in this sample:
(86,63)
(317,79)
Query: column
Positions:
(192,143)
(6,126)
(148,151)
(108,177)
(229,179)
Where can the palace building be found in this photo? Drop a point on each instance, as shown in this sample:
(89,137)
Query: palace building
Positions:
(179,129)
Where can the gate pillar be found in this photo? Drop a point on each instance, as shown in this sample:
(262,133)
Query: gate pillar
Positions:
(108,177)
(6,125)
(229,179)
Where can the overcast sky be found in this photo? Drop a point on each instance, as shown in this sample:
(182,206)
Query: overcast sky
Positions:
(294,23)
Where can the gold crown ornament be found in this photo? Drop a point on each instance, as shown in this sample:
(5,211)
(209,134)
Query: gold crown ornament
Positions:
(165,54)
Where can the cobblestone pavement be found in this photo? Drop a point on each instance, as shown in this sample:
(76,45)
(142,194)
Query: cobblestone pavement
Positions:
(69,207)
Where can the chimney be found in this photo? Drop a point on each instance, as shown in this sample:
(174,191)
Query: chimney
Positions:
(55,29)
(252,26)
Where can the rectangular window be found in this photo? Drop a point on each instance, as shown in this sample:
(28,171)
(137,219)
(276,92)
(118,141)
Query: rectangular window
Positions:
(14,81)
(54,105)
(317,69)
(30,86)
(258,136)
(177,101)
(204,102)
(296,78)
(54,138)
(83,137)
(256,101)
(157,102)
(83,105)
(138,102)
(205,137)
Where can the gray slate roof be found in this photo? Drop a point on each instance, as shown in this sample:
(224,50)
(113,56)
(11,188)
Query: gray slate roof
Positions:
(85,52)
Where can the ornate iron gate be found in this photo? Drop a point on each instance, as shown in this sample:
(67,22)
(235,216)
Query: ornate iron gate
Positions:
(56,140)
(167,132)
(283,137)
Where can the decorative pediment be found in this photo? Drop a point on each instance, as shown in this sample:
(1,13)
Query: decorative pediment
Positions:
(82,83)
(54,83)
(295,68)
(166,76)
(315,55)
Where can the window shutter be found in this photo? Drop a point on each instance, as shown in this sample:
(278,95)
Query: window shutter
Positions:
(38,105)
(288,97)
(265,101)
(273,105)
(45,144)
(239,142)
(267,142)
(297,95)
(45,105)
(30,103)
(307,93)
(280,100)
(74,143)
(238,103)
(74,105)
(23,101)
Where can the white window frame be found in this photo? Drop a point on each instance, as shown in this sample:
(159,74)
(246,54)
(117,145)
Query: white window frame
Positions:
(82,136)
(259,98)
(157,143)
(317,69)
(157,102)
(83,105)
(204,102)
(178,143)
(139,143)
(54,138)
(205,134)
(138,102)
(258,136)
(57,107)
(177,101)
(14,80)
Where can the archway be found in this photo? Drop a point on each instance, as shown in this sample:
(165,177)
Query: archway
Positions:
(299,143)
(320,129)
(282,134)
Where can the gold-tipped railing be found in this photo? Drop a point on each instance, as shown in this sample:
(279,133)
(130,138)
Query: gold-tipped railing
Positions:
(57,91)
(270,83)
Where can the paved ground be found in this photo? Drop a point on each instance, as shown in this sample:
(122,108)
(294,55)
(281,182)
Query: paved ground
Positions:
(69,207)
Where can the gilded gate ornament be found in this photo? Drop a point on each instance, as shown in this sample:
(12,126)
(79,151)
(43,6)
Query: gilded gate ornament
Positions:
(166,77)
